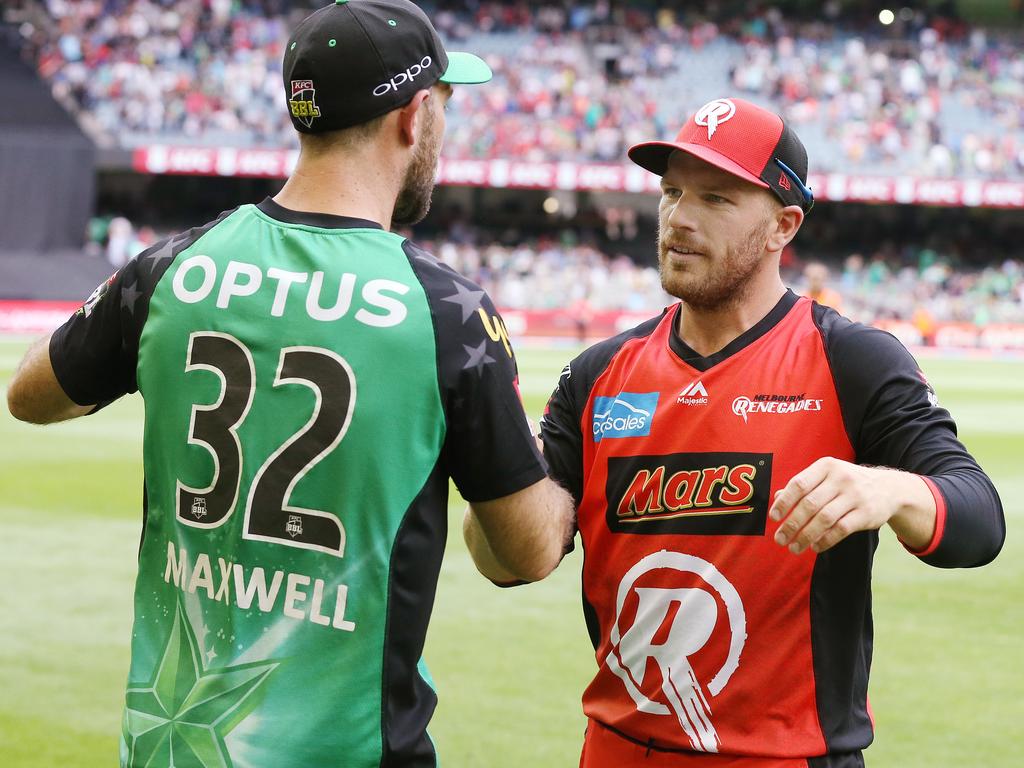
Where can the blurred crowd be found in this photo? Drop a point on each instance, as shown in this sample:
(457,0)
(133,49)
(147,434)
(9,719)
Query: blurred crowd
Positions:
(566,272)
(574,81)
(925,294)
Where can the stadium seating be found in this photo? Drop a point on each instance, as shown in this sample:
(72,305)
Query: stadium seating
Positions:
(569,85)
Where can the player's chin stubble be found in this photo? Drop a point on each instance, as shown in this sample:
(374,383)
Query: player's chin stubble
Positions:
(724,281)
(413,200)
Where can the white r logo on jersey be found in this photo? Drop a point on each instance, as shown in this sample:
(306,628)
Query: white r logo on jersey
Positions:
(692,626)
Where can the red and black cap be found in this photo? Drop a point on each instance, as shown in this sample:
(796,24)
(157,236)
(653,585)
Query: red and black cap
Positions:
(358,59)
(742,139)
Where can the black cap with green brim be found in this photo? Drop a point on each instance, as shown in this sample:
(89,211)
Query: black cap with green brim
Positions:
(358,59)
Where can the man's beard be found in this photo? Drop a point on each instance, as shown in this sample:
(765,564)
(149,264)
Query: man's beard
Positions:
(413,200)
(726,282)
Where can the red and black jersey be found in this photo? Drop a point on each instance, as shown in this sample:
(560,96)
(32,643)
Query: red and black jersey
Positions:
(711,638)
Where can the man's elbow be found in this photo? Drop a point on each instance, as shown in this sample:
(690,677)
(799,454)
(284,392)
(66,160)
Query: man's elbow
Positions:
(538,569)
(20,404)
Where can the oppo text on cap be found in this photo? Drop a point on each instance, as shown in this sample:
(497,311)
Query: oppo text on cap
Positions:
(403,77)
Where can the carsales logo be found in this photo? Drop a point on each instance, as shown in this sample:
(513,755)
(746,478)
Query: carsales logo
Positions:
(628,414)
(743,406)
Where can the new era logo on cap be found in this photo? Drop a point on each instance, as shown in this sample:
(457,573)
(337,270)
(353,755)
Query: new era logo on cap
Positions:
(742,139)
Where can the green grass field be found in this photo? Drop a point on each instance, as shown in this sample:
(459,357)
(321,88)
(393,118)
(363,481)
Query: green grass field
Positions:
(947,684)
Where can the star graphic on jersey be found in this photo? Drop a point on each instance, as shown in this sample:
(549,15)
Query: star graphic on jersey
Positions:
(160,253)
(465,298)
(129,296)
(478,357)
(181,716)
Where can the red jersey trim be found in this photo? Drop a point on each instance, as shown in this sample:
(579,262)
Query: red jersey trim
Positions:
(940,520)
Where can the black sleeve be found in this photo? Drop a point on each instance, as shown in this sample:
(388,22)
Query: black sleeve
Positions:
(94,354)
(893,419)
(562,435)
(561,426)
(489,448)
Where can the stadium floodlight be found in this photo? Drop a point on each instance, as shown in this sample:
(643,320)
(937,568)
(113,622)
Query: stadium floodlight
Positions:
(886,16)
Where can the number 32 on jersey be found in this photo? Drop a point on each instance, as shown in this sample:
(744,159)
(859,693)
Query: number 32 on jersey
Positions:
(268,514)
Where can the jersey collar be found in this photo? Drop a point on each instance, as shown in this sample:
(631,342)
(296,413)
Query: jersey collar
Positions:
(322,220)
(744,340)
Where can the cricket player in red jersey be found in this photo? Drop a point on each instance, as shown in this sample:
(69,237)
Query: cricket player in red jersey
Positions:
(732,461)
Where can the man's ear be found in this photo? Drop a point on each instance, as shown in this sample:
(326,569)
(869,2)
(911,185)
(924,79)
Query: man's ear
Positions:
(409,117)
(787,224)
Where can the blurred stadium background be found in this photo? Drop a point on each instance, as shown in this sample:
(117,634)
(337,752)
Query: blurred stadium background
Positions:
(124,120)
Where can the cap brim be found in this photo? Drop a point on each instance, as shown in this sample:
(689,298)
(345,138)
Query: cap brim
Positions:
(466,69)
(654,155)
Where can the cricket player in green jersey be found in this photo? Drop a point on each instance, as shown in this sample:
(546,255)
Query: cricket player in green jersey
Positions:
(311,381)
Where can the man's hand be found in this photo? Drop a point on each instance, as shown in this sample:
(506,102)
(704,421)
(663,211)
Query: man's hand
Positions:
(832,498)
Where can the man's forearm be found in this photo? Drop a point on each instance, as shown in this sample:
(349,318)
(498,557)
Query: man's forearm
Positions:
(522,536)
(34,394)
(914,520)
(480,550)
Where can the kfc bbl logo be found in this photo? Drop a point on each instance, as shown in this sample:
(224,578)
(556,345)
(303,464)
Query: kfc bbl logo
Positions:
(294,526)
(303,102)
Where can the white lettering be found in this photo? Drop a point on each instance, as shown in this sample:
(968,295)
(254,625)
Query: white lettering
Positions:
(293,596)
(285,280)
(346,287)
(296,590)
(373,295)
(202,575)
(402,78)
(209,270)
(177,568)
(314,608)
(225,580)
(340,622)
(257,586)
(231,287)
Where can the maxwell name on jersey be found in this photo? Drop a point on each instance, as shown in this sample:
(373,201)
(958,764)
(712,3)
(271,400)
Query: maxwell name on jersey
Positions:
(231,584)
(197,276)
(724,493)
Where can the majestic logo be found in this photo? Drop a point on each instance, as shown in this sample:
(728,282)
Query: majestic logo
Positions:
(404,77)
(713,494)
(695,393)
(691,612)
(743,406)
(629,414)
(294,526)
(714,113)
(303,102)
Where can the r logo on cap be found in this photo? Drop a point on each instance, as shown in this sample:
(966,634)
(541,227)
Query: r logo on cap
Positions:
(714,113)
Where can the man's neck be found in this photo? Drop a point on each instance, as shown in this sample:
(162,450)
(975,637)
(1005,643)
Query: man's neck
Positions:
(707,331)
(350,187)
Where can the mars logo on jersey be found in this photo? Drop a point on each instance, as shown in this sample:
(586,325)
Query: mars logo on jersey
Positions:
(712,494)
(628,414)
(668,609)
(303,102)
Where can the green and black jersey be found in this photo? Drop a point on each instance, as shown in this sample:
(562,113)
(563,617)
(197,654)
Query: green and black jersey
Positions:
(311,382)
